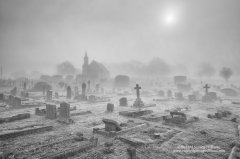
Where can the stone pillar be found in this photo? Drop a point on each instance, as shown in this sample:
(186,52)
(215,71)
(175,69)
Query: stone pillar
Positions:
(69,92)
(64,110)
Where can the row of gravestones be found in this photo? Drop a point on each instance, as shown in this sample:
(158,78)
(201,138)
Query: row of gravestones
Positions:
(51,111)
(14,101)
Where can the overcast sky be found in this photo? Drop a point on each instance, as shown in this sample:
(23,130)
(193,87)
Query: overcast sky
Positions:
(38,34)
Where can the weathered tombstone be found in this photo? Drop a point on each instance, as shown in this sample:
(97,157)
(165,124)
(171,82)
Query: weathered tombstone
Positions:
(206,89)
(56,95)
(69,92)
(64,110)
(89,86)
(179,96)
(92,98)
(84,86)
(192,97)
(17,102)
(111,125)
(24,85)
(1,97)
(123,101)
(138,102)
(169,93)
(110,107)
(51,111)
(24,94)
(161,93)
(132,153)
(11,100)
(49,95)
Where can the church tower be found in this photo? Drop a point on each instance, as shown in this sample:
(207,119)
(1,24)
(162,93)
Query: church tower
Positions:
(85,65)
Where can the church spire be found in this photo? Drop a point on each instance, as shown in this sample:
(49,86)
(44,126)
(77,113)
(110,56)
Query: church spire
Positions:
(86,58)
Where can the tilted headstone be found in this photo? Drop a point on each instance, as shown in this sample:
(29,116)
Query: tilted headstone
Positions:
(49,95)
(17,102)
(111,125)
(123,101)
(161,93)
(110,107)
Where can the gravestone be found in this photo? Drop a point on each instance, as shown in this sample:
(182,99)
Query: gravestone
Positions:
(1,97)
(51,111)
(206,89)
(56,95)
(24,94)
(111,125)
(69,92)
(123,101)
(179,95)
(11,100)
(92,98)
(49,95)
(192,97)
(17,102)
(110,107)
(169,93)
(64,110)
(132,153)
(25,86)
(83,95)
(138,102)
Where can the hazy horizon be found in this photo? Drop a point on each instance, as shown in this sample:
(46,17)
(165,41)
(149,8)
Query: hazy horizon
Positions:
(38,35)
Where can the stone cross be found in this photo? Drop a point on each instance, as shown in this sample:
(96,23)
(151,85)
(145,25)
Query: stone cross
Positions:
(137,90)
(206,87)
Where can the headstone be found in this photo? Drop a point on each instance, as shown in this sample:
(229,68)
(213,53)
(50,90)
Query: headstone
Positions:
(51,111)
(56,95)
(49,95)
(123,101)
(206,89)
(102,90)
(111,125)
(17,102)
(132,153)
(84,86)
(11,100)
(192,97)
(64,110)
(110,107)
(92,98)
(25,86)
(179,96)
(1,97)
(138,102)
(69,92)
